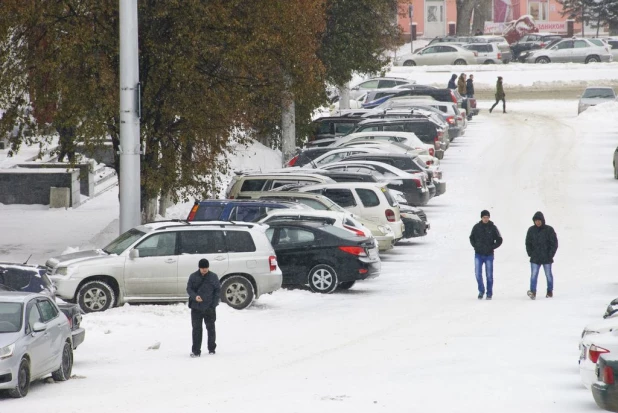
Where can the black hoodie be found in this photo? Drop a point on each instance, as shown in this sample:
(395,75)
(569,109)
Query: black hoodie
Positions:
(485,238)
(541,242)
(452,83)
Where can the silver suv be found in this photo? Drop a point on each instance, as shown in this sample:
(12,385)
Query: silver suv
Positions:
(152,263)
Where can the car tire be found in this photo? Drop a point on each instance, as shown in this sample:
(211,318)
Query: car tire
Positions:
(323,279)
(66,366)
(615,171)
(237,292)
(409,63)
(346,285)
(542,60)
(460,62)
(96,296)
(593,59)
(488,62)
(23,380)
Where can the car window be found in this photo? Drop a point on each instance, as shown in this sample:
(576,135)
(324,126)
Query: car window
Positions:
(368,197)
(344,128)
(245,213)
(322,128)
(336,168)
(331,158)
(16,278)
(401,82)
(360,169)
(33,314)
(253,185)
(568,44)
(430,50)
(370,84)
(47,309)
(341,196)
(596,42)
(389,197)
(600,93)
(239,241)
(312,203)
(613,44)
(393,128)
(158,245)
(402,163)
(386,83)
(121,243)
(291,235)
(209,212)
(447,49)
(579,44)
(10,317)
(269,234)
(201,242)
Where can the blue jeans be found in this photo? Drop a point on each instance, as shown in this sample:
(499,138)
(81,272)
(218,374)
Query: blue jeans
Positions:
(488,260)
(534,276)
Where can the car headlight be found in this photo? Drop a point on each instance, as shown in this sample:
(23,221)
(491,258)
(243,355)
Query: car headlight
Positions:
(66,271)
(6,352)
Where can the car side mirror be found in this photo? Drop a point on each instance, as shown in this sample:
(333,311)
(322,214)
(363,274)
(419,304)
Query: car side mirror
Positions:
(38,327)
(133,254)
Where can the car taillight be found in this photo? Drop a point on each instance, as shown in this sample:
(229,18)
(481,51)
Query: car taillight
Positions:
(70,319)
(390,214)
(499,56)
(193,212)
(451,120)
(419,184)
(460,118)
(542,45)
(432,151)
(272,261)
(292,161)
(358,251)
(608,375)
(453,97)
(429,163)
(595,352)
(355,230)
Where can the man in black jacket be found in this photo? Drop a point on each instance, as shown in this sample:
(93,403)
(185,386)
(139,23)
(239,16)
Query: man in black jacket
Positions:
(203,288)
(485,238)
(541,245)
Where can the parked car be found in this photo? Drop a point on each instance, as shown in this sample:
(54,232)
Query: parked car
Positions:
(331,126)
(338,219)
(304,156)
(594,95)
(613,43)
(33,279)
(408,139)
(612,308)
(243,210)
(322,256)
(592,346)
(570,50)
(489,53)
(532,41)
(371,202)
(152,263)
(437,55)
(337,154)
(260,182)
(605,389)
(35,341)
(377,83)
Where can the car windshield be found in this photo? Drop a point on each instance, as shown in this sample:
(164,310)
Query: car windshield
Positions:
(10,317)
(121,243)
(338,232)
(599,93)
(597,42)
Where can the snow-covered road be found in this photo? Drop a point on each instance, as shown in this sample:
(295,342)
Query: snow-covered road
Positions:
(415,339)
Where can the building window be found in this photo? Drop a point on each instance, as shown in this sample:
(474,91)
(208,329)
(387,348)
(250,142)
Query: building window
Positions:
(538,9)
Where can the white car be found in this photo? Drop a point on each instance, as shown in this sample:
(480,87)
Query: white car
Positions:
(152,263)
(377,83)
(370,201)
(570,50)
(438,54)
(591,347)
(407,138)
(340,153)
(594,95)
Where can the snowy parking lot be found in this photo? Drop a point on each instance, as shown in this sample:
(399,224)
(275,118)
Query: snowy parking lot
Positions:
(414,339)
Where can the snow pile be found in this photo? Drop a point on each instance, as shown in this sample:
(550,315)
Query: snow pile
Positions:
(603,112)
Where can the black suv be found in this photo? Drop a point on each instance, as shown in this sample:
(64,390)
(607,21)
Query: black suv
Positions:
(532,41)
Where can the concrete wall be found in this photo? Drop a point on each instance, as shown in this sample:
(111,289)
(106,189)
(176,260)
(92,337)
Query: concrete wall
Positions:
(102,153)
(32,186)
(86,177)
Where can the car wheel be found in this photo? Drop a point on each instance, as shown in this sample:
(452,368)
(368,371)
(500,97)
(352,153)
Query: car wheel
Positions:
(593,59)
(237,292)
(346,285)
(542,60)
(66,366)
(409,63)
(323,279)
(96,296)
(23,380)
(488,62)
(460,62)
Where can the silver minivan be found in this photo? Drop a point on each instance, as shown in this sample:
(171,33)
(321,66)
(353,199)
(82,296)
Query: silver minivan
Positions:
(489,53)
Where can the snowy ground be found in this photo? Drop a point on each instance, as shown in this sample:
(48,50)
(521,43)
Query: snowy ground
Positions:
(414,339)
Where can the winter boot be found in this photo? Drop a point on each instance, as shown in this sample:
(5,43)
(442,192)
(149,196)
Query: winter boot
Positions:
(550,294)
(488,297)
(480,296)
(490,109)
(193,355)
(532,295)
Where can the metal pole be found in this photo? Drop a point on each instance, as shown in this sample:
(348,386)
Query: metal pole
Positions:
(130,211)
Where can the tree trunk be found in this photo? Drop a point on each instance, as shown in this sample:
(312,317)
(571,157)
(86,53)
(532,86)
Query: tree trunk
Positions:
(149,210)
(164,203)
(344,96)
(288,129)
(464,12)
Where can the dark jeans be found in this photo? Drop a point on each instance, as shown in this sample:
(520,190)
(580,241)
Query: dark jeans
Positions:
(498,101)
(209,317)
(488,260)
(534,276)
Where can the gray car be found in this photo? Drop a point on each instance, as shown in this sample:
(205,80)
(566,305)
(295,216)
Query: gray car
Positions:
(594,95)
(570,51)
(35,340)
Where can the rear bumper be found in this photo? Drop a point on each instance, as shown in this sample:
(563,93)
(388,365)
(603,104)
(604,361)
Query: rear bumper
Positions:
(78,337)
(417,198)
(385,242)
(268,283)
(363,271)
(414,228)
(440,186)
(605,396)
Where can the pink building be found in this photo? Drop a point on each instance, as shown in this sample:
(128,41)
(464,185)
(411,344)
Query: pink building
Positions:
(432,17)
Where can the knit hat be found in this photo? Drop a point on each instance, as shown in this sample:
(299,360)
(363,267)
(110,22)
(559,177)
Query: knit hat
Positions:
(485,213)
(204,263)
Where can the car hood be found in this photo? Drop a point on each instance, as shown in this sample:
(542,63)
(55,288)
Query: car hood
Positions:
(75,257)
(8,338)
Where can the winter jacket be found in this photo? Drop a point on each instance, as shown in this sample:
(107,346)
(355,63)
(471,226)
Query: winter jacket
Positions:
(469,87)
(461,86)
(485,238)
(207,287)
(499,90)
(541,242)
(451,83)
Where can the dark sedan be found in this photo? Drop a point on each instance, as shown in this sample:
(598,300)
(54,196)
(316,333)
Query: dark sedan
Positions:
(322,256)
(605,390)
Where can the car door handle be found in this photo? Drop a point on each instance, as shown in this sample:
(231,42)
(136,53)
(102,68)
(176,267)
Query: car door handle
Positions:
(170,261)
(219,258)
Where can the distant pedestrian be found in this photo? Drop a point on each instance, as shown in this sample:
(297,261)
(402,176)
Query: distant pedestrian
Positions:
(461,84)
(203,288)
(470,86)
(452,83)
(500,96)
(485,238)
(478,32)
(541,245)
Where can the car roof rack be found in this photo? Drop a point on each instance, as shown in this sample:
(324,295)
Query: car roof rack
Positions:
(211,224)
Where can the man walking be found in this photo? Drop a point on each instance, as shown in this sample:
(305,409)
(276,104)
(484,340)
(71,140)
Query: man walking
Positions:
(500,95)
(203,288)
(541,245)
(485,238)
(470,87)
